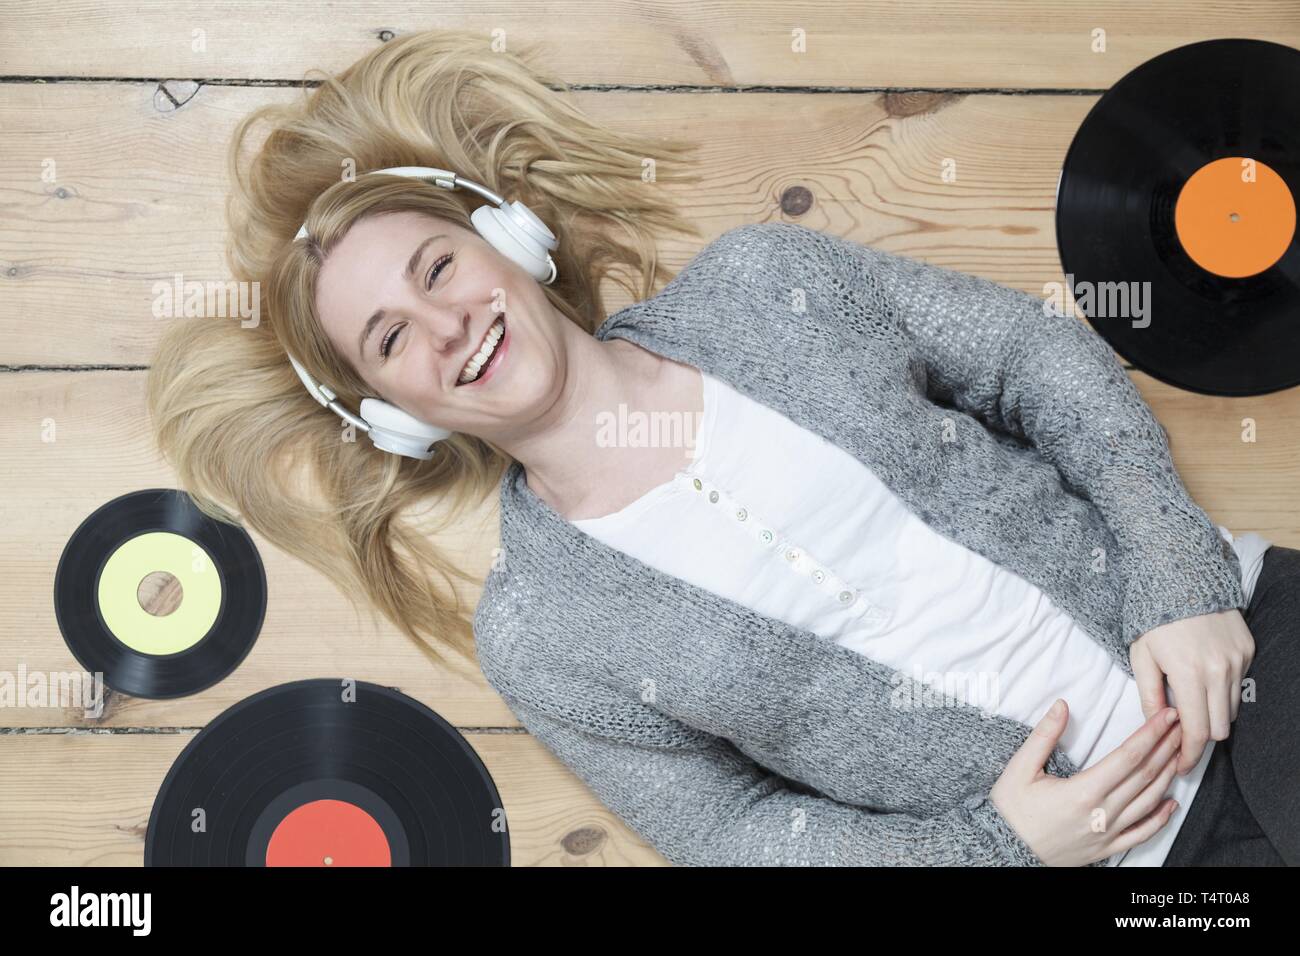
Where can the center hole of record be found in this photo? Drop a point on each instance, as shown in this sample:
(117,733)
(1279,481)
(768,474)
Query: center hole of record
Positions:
(1234,217)
(159,593)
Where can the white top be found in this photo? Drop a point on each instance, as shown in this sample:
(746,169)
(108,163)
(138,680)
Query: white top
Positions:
(776,518)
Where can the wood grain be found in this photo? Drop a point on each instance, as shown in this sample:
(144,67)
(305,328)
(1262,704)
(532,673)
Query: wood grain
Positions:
(1020,44)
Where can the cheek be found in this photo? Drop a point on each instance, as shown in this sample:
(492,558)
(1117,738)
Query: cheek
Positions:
(416,385)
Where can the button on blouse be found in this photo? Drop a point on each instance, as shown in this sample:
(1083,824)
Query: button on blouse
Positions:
(768,537)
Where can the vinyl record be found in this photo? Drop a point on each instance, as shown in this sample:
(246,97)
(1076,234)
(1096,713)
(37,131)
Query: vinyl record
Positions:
(1176,215)
(328,772)
(202,581)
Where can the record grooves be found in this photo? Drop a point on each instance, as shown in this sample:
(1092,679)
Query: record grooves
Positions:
(1181,182)
(215,566)
(303,775)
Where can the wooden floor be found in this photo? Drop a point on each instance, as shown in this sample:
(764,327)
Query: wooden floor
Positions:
(135,121)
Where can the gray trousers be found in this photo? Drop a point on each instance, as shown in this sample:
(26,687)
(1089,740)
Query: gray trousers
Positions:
(1246,811)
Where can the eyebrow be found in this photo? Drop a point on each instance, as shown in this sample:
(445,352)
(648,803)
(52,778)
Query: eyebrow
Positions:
(374,320)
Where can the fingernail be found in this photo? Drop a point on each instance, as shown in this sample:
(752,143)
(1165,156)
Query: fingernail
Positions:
(1171,716)
(1057,708)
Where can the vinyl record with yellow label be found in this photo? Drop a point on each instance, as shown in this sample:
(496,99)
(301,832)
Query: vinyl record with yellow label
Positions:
(159,598)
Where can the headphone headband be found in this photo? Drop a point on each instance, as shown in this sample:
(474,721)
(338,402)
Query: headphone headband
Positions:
(437,177)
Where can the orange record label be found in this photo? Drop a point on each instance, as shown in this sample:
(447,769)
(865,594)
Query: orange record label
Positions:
(1235,216)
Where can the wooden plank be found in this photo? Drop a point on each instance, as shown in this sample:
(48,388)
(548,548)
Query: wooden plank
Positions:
(84,799)
(1030,44)
(139,195)
(1238,457)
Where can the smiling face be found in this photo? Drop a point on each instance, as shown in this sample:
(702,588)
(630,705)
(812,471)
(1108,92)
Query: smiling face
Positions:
(409,299)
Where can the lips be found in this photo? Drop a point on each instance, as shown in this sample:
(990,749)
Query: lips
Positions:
(492,359)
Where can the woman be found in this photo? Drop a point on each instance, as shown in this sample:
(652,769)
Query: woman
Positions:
(635,621)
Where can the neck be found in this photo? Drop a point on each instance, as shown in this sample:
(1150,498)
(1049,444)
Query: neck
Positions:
(563,463)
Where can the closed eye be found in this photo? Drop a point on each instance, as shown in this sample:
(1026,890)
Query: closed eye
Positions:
(386,345)
(436,270)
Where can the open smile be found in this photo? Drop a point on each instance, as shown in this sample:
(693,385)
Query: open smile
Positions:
(489,355)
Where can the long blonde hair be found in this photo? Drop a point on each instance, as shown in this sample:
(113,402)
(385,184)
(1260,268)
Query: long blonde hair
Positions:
(246,439)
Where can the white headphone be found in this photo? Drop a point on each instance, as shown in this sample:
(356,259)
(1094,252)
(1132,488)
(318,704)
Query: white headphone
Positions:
(509,227)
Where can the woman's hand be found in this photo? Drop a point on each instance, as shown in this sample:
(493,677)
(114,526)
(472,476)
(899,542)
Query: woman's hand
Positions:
(1205,658)
(1115,804)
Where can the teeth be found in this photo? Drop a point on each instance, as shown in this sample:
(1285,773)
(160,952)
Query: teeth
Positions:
(475,364)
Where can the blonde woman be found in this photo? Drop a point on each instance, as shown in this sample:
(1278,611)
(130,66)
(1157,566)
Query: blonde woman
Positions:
(741,638)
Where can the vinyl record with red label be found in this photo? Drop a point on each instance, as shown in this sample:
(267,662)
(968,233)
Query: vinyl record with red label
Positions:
(328,772)
(1176,217)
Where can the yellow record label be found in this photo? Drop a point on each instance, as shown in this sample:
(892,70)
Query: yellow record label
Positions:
(179,556)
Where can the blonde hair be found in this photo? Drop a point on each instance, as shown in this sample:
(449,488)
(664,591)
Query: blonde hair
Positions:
(246,439)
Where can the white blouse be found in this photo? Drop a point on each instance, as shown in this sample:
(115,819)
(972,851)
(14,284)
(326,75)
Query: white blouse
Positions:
(776,518)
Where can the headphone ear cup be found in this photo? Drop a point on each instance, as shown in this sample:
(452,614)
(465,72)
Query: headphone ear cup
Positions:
(508,237)
(393,430)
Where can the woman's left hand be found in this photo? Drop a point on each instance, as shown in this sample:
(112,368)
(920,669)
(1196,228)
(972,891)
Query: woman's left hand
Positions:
(1205,658)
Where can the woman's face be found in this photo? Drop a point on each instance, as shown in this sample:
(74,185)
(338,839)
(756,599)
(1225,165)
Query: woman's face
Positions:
(437,288)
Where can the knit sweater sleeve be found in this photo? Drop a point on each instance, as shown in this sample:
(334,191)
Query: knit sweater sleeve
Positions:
(700,801)
(996,353)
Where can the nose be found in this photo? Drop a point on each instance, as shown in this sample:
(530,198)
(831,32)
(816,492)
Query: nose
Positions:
(447,327)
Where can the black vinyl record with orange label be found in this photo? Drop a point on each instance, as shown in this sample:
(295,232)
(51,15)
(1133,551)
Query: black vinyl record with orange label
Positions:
(1176,217)
(327,772)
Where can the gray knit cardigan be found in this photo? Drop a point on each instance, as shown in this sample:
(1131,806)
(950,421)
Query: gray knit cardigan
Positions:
(723,736)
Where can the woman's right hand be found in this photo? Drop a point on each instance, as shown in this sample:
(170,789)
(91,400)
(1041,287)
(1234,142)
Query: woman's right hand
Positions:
(1115,804)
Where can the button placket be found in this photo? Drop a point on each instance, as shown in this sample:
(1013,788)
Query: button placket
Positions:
(836,588)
